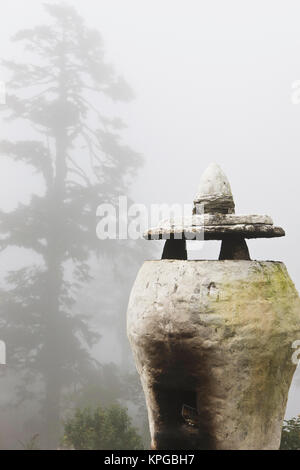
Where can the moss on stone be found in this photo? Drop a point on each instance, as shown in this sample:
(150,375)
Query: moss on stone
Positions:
(225,332)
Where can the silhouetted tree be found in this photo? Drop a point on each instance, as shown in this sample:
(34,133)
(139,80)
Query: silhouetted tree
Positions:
(77,151)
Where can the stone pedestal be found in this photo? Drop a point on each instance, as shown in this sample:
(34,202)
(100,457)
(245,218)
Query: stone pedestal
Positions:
(212,344)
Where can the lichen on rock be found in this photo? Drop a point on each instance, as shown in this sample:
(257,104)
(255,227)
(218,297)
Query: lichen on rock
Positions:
(215,336)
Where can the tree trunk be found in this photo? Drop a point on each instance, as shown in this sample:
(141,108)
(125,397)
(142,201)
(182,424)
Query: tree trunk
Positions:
(56,250)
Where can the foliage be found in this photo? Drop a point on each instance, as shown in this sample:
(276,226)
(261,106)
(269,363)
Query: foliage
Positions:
(110,385)
(102,429)
(32,444)
(290,437)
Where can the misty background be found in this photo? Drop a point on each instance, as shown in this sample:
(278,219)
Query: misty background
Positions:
(201,82)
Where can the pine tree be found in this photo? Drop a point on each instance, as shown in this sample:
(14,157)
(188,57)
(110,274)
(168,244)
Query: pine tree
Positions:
(78,153)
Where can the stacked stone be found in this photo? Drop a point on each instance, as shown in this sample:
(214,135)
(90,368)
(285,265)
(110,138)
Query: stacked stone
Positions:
(213,340)
(213,218)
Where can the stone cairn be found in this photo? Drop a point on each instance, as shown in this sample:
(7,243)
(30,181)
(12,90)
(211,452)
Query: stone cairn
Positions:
(212,340)
(214,219)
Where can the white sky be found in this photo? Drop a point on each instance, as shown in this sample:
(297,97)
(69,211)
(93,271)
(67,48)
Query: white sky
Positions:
(213,83)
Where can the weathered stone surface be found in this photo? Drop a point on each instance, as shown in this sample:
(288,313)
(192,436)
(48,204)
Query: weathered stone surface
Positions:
(213,215)
(228,219)
(234,248)
(215,232)
(214,192)
(214,219)
(214,337)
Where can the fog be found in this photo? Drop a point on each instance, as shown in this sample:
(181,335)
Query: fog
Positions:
(212,81)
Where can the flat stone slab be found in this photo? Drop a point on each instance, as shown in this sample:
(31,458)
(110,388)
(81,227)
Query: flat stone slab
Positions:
(216,232)
(215,227)
(215,219)
(229,219)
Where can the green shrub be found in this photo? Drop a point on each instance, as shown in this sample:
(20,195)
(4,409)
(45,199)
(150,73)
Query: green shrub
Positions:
(290,437)
(102,428)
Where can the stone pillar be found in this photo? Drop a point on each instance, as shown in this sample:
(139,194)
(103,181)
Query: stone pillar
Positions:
(212,340)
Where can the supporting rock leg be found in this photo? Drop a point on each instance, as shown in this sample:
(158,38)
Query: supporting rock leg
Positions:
(234,247)
(174,249)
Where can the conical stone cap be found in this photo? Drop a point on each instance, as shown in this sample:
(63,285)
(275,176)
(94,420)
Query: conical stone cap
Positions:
(214,195)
